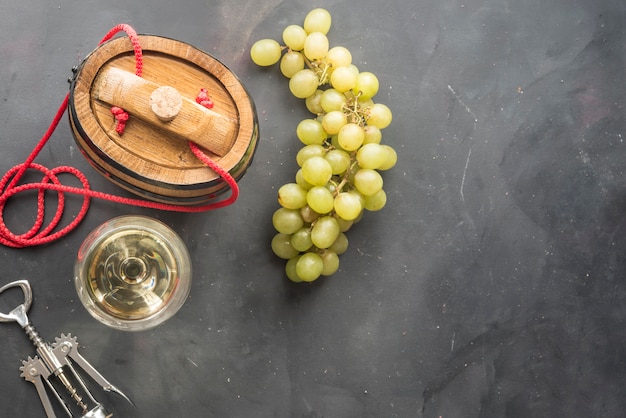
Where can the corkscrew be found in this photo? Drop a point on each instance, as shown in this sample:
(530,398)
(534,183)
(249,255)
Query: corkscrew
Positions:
(53,369)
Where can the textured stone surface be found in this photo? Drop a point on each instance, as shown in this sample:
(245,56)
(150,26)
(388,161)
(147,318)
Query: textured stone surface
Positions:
(491,286)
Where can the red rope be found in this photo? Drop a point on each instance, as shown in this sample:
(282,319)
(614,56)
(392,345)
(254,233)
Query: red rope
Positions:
(121,116)
(203,98)
(134,39)
(39,234)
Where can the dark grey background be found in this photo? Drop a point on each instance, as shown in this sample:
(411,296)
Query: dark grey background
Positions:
(491,285)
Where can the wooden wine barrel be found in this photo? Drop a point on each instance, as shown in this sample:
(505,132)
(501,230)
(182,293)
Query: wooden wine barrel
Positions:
(152,157)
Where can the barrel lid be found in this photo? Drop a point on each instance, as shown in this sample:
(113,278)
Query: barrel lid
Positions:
(152,157)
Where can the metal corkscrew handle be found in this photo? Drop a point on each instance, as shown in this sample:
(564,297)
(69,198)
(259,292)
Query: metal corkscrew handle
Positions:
(57,361)
(19,313)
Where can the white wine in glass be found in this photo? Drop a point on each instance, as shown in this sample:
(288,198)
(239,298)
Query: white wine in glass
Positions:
(132,273)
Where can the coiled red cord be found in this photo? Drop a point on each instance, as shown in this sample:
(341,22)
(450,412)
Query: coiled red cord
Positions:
(39,233)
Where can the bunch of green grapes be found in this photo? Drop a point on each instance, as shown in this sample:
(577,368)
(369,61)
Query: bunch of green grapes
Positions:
(342,153)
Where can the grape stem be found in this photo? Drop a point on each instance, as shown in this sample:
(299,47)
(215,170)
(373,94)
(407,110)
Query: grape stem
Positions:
(345,178)
(320,70)
(343,182)
(324,76)
(353,111)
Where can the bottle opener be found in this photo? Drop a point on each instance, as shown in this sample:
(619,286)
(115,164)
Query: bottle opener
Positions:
(53,368)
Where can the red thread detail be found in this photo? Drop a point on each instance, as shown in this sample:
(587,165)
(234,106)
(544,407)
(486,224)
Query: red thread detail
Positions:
(9,187)
(39,234)
(121,116)
(134,39)
(204,99)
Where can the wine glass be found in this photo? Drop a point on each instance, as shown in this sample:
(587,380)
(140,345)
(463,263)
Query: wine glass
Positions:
(132,273)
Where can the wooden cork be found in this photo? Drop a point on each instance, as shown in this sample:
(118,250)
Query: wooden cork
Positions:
(166,102)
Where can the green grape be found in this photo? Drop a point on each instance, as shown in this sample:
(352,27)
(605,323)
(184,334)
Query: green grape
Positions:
(300,181)
(330,262)
(348,206)
(365,104)
(351,136)
(332,99)
(309,267)
(354,69)
(332,186)
(311,132)
(350,175)
(287,221)
(294,36)
(368,181)
(375,202)
(324,231)
(303,84)
(301,240)
(317,171)
(265,52)
(379,115)
(339,56)
(372,156)
(320,199)
(281,246)
(339,161)
(317,20)
(366,85)
(315,46)
(313,150)
(291,63)
(361,199)
(334,142)
(392,158)
(343,79)
(344,225)
(290,269)
(358,218)
(292,196)
(333,121)
(340,245)
(313,102)
(373,135)
(308,214)
(359,195)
